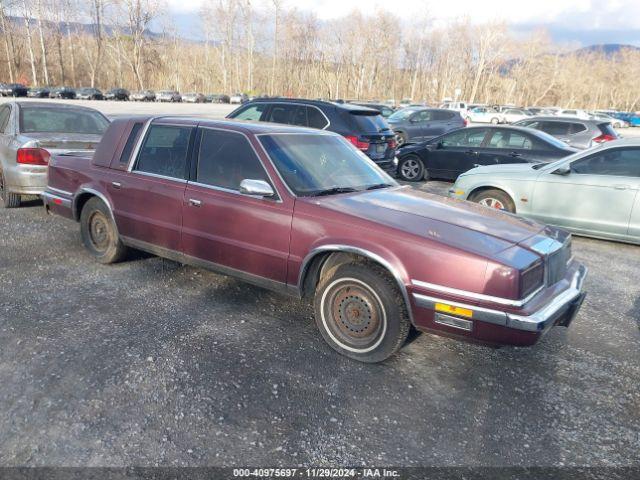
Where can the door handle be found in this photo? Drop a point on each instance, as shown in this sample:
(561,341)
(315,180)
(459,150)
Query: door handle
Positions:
(194,203)
(621,187)
(116,185)
(472,152)
(515,154)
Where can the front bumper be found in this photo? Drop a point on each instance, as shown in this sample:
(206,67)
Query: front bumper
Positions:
(502,327)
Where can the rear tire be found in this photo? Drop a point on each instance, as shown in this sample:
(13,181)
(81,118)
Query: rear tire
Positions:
(411,169)
(497,199)
(360,312)
(495,121)
(9,200)
(99,233)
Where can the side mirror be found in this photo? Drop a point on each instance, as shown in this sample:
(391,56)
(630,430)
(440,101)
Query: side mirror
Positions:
(439,145)
(562,171)
(257,188)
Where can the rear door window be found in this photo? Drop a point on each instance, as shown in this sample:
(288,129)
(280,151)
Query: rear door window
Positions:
(281,113)
(164,151)
(621,162)
(510,140)
(555,128)
(442,115)
(465,138)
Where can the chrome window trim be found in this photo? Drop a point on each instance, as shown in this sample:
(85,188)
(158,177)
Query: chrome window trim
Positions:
(155,175)
(229,190)
(234,192)
(360,251)
(477,296)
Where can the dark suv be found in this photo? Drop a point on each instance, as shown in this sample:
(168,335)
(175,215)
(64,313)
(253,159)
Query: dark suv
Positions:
(362,126)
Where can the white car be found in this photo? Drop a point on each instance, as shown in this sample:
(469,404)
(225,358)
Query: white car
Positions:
(485,115)
(512,115)
(616,122)
(461,107)
(576,113)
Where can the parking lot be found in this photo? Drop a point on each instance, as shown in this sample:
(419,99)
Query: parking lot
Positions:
(148,362)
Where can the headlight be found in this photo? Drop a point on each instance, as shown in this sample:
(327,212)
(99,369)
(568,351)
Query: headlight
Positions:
(531,279)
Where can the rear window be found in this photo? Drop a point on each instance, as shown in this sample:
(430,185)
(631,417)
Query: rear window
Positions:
(54,120)
(370,122)
(607,129)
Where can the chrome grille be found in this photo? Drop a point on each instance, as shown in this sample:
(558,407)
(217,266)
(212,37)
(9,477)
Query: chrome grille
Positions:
(557,263)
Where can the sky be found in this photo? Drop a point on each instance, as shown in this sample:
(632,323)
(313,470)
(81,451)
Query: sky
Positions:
(582,22)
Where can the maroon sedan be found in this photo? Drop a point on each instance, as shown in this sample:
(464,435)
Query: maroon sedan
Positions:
(304,212)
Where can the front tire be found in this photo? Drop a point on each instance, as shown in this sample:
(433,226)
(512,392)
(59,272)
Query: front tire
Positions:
(411,169)
(9,199)
(495,121)
(496,199)
(99,233)
(360,312)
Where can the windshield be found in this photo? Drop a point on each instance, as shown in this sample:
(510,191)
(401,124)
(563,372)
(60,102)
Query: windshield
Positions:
(401,115)
(311,163)
(43,119)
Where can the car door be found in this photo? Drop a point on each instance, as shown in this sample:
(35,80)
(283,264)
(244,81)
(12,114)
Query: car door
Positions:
(417,125)
(594,194)
(505,146)
(241,234)
(455,152)
(147,200)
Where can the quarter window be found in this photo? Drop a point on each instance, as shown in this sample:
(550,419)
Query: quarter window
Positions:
(507,139)
(316,118)
(225,159)
(622,162)
(131,141)
(164,151)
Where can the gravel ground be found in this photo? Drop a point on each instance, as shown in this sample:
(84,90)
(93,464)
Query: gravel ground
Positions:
(148,362)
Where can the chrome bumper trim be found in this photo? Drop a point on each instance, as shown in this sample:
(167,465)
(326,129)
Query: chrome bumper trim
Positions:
(48,198)
(536,322)
(476,296)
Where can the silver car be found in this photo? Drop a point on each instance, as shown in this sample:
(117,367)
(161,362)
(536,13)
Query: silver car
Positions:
(594,193)
(577,132)
(30,132)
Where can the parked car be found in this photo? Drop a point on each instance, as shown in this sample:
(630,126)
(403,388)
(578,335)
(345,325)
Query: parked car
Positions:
(573,131)
(68,93)
(363,127)
(30,132)
(513,115)
(291,206)
(615,122)
(143,96)
(238,98)
(13,90)
(39,92)
(193,98)
(453,153)
(485,115)
(384,110)
(89,93)
(121,94)
(574,113)
(217,98)
(593,193)
(417,124)
(633,119)
(168,96)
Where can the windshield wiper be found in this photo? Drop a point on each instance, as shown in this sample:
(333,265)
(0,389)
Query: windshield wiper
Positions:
(378,185)
(332,191)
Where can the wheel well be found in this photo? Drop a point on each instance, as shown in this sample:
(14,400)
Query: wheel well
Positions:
(325,261)
(479,190)
(80,202)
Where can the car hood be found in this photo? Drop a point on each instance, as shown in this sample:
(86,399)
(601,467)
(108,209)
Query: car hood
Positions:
(469,226)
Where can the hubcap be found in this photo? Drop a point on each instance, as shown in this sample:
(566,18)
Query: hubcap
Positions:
(492,203)
(410,169)
(353,315)
(399,140)
(99,231)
